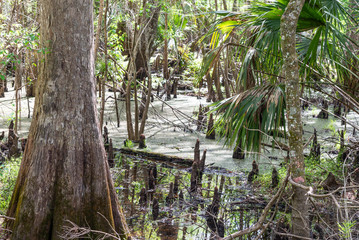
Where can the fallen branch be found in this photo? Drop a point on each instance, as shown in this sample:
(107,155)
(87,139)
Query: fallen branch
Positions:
(157,156)
(291,235)
(6,217)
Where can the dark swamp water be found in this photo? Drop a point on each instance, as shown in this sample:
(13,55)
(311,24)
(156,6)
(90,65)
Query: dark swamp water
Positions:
(160,202)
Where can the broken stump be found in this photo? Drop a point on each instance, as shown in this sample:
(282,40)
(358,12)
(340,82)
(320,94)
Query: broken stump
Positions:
(142,143)
(155,209)
(275,178)
(211,133)
(255,170)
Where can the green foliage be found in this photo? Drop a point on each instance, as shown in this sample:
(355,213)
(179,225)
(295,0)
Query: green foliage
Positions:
(129,143)
(345,229)
(316,171)
(331,127)
(193,68)
(265,179)
(322,43)
(322,37)
(8,174)
(247,115)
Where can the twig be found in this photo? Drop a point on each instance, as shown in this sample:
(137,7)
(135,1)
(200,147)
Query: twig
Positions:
(291,235)
(6,217)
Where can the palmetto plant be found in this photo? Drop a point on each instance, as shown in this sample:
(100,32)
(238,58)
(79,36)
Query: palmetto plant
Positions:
(322,46)
(247,115)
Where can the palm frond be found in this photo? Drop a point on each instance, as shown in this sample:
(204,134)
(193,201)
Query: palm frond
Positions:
(246,116)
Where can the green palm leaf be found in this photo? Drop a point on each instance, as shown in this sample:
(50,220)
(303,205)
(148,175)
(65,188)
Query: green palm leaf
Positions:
(248,115)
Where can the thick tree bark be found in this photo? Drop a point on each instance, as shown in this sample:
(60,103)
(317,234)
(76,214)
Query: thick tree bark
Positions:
(288,27)
(64,174)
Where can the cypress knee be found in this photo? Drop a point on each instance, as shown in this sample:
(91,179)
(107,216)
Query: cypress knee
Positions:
(254,172)
(275,178)
(238,152)
(155,209)
(176,185)
(202,165)
(170,197)
(211,134)
(143,197)
(200,118)
(194,177)
(196,152)
(110,155)
(142,143)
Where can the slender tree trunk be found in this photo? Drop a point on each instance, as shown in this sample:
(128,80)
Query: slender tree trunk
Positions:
(12,17)
(235,6)
(140,52)
(64,175)
(165,51)
(136,112)
(116,103)
(104,79)
(216,79)
(225,74)
(31,73)
(291,72)
(166,74)
(148,100)
(224,4)
(147,34)
(18,76)
(98,32)
(130,131)
(211,95)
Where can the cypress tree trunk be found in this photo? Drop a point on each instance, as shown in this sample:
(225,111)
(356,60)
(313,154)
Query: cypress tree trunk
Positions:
(64,174)
(224,5)
(288,27)
(166,74)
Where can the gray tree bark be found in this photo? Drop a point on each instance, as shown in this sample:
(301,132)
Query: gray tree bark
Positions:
(64,174)
(288,27)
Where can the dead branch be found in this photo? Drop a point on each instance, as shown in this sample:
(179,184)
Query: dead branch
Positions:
(75,232)
(6,217)
(291,235)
